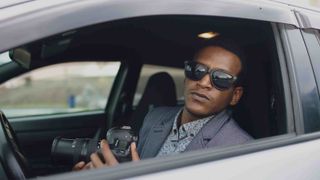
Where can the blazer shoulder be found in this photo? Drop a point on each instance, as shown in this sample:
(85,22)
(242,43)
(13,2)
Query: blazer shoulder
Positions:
(230,134)
(235,132)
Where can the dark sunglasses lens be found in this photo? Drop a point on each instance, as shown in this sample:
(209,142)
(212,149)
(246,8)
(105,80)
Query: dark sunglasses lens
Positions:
(195,71)
(222,80)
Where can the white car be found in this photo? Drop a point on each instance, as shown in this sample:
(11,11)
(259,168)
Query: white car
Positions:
(58,48)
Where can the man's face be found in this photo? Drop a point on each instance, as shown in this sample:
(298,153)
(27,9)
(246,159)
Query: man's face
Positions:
(201,97)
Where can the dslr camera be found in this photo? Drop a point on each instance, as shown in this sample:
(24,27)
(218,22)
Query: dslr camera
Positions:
(71,151)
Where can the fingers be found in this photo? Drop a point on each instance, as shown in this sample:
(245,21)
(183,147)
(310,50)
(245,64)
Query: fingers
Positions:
(107,154)
(88,166)
(79,166)
(110,159)
(96,161)
(134,152)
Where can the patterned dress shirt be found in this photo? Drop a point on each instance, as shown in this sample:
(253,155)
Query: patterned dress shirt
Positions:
(179,139)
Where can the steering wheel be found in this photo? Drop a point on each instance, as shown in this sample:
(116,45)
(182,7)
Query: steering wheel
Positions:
(15,163)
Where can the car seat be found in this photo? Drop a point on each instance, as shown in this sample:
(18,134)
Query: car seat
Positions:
(160,91)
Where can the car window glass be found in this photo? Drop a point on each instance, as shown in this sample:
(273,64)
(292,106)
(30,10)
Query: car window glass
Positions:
(61,88)
(312,42)
(148,70)
(4,58)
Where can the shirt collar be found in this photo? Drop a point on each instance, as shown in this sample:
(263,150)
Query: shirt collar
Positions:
(189,127)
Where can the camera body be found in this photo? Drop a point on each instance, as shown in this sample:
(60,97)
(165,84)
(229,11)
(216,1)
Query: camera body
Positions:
(119,140)
(71,151)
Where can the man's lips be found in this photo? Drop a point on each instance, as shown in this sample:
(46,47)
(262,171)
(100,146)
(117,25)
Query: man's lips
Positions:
(198,95)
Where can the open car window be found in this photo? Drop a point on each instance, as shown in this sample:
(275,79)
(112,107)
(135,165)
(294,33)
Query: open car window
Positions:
(79,86)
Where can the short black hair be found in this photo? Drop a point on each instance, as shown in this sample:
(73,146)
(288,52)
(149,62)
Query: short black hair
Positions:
(229,45)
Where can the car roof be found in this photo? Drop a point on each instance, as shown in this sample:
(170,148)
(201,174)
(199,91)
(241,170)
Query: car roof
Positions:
(44,18)
(8,3)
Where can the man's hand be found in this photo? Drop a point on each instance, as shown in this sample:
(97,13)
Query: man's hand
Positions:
(109,158)
(81,166)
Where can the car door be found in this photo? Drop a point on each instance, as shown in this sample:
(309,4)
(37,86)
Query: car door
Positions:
(291,52)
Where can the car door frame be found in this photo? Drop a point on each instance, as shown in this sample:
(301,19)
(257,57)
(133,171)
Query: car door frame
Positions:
(267,11)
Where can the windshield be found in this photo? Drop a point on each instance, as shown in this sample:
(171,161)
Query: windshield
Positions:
(4,58)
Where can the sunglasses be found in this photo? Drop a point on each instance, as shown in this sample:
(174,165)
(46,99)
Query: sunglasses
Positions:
(219,78)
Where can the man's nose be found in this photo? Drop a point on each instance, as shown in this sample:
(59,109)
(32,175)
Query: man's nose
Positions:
(205,81)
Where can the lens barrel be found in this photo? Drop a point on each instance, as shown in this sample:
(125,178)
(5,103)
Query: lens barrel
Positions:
(71,151)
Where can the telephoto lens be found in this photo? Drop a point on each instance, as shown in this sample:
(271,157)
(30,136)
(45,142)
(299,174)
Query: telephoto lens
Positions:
(72,151)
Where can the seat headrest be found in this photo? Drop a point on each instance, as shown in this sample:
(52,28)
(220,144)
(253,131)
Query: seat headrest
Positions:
(160,91)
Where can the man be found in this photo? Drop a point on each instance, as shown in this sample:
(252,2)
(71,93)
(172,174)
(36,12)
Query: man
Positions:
(212,85)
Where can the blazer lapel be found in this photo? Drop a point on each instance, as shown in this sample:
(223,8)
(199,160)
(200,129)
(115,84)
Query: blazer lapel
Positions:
(208,131)
(158,134)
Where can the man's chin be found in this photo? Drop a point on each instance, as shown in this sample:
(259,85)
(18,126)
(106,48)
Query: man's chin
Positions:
(198,112)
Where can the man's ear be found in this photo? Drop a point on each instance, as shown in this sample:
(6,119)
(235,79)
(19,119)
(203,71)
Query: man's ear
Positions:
(237,93)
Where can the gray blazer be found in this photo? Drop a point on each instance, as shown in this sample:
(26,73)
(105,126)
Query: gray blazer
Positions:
(221,131)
